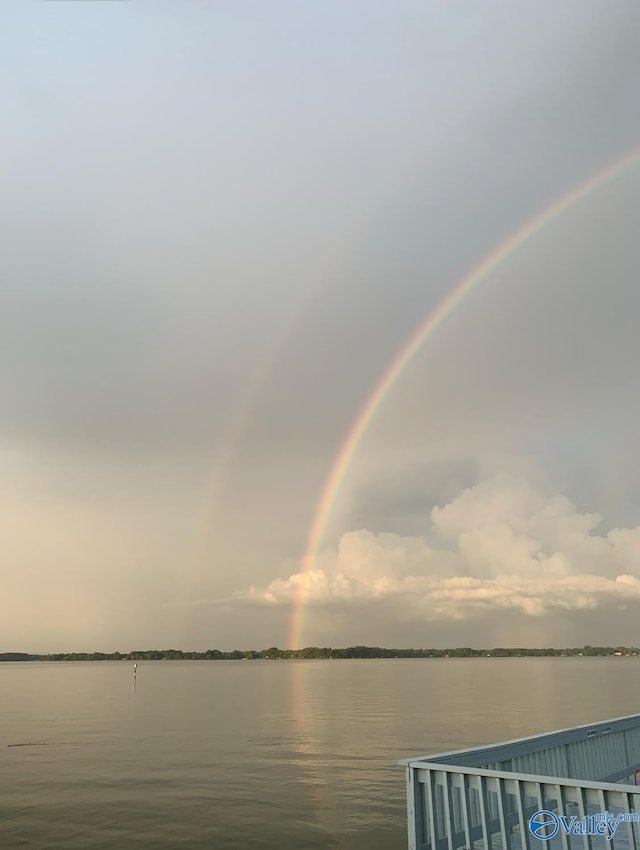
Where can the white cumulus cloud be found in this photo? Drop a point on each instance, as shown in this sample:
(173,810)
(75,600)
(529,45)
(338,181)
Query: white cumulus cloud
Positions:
(501,544)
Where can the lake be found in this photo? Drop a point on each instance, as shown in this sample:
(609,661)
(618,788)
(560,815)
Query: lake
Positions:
(262,754)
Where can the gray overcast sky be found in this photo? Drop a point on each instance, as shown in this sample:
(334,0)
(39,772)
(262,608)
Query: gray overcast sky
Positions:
(219,223)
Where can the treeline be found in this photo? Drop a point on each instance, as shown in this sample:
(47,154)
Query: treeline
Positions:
(273,653)
(18,656)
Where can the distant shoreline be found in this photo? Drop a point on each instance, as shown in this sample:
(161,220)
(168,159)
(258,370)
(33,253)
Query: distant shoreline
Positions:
(315,652)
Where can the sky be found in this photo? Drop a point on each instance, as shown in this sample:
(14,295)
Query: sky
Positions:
(220,223)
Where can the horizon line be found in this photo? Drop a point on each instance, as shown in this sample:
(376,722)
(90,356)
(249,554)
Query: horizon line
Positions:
(334,649)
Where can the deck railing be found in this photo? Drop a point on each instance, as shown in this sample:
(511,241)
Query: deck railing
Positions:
(485,798)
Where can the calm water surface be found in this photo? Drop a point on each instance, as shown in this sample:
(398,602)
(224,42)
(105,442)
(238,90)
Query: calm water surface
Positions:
(264,754)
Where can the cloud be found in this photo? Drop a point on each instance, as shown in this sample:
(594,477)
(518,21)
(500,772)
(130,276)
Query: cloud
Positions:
(501,545)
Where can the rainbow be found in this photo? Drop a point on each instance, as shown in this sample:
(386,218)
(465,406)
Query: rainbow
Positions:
(406,354)
(219,466)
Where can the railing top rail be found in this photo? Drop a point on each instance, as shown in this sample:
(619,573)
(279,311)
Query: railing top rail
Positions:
(523,777)
(477,756)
